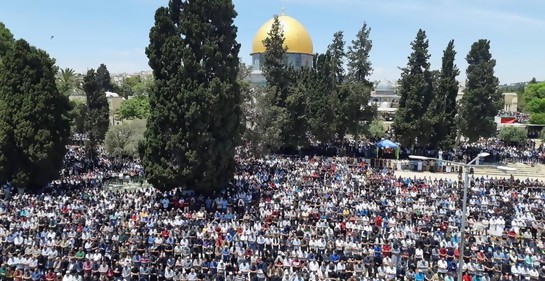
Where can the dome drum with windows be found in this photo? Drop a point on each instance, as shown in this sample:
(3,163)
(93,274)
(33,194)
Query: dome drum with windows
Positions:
(297,41)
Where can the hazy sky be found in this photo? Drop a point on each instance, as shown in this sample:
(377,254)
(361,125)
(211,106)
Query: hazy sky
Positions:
(115,32)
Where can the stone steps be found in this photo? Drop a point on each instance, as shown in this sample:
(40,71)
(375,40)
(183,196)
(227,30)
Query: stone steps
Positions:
(126,186)
(522,171)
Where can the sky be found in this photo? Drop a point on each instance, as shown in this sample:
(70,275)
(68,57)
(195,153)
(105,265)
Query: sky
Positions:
(116,32)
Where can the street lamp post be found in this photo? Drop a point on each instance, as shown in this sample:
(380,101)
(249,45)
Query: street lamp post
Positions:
(464,214)
(464,202)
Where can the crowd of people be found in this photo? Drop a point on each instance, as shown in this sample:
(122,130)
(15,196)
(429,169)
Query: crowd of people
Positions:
(500,152)
(280,219)
(520,117)
(528,152)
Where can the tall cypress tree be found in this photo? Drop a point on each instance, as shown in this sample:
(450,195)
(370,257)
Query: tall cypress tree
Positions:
(442,110)
(275,67)
(275,121)
(97,120)
(320,98)
(353,96)
(416,90)
(163,151)
(195,104)
(359,65)
(34,122)
(338,55)
(482,98)
(103,78)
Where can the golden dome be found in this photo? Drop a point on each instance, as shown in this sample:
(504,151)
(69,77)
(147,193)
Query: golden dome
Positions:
(296,37)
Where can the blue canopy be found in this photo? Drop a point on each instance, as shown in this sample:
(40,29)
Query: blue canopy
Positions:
(387,144)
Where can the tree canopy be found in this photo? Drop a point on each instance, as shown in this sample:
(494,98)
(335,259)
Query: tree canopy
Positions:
(513,134)
(78,114)
(135,107)
(97,118)
(6,40)
(123,139)
(442,110)
(195,102)
(273,122)
(416,91)
(134,86)
(359,65)
(34,121)
(482,99)
(68,81)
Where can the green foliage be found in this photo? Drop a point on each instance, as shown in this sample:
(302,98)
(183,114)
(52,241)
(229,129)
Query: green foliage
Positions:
(537,118)
(338,55)
(103,78)
(442,110)
(195,107)
(6,40)
(136,107)
(416,91)
(536,105)
(359,65)
(376,130)
(248,121)
(135,86)
(275,68)
(34,121)
(68,81)
(482,100)
(271,121)
(353,110)
(516,88)
(78,114)
(513,134)
(283,99)
(97,119)
(296,127)
(123,139)
(533,91)
(317,102)
(319,88)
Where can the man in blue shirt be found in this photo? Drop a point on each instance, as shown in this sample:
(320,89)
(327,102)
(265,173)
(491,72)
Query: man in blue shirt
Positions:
(36,275)
(420,276)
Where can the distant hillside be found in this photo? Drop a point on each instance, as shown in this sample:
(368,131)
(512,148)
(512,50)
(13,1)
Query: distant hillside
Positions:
(513,87)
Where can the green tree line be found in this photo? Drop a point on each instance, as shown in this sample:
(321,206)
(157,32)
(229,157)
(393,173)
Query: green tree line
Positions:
(429,114)
(322,103)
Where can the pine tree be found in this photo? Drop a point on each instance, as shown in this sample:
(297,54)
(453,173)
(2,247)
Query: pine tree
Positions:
(34,122)
(338,55)
(97,119)
(482,99)
(275,104)
(353,114)
(103,78)
(275,67)
(416,90)
(163,151)
(6,40)
(320,98)
(195,103)
(442,110)
(359,65)
(353,96)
